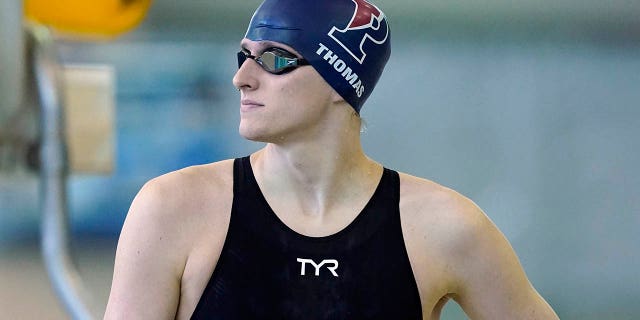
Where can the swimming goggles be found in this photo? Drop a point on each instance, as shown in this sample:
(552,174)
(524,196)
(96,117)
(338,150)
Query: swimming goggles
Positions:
(274,60)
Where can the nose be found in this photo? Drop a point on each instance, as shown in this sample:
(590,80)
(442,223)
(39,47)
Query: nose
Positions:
(245,76)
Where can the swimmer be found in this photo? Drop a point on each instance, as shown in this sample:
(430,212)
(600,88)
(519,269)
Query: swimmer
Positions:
(309,227)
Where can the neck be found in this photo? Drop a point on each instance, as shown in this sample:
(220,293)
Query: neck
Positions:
(317,163)
(320,171)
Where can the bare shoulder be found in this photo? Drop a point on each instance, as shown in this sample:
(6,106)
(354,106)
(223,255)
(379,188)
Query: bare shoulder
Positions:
(437,222)
(453,223)
(178,199)
(168,220)
(179,192)
(192,179)
(449,238)
(438,210)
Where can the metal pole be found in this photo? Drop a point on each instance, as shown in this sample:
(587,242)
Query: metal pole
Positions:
(11,59)
(53,178)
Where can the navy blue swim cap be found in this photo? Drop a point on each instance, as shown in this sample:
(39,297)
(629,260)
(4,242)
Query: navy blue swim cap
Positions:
(347,41)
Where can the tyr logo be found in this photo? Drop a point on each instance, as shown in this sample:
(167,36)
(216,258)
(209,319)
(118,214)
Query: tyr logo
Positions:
(368,22)
(332,268)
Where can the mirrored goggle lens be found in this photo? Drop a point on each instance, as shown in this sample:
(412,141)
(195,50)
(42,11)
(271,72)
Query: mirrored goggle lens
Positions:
(272,62)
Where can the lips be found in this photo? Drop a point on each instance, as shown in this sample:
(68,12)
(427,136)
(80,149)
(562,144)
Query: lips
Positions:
(248,104)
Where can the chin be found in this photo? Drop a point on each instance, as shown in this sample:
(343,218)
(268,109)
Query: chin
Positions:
(252,134)
(255,138)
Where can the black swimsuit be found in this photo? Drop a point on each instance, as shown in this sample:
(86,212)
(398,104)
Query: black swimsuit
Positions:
(268,271)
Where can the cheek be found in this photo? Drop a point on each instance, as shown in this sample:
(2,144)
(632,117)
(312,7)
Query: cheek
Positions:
(292,94)
(303,90)
(310,88)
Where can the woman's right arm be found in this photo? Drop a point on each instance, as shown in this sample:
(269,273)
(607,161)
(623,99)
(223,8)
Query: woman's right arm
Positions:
(150,257)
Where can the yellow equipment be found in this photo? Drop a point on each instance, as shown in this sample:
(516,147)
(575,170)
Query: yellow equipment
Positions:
(87,17)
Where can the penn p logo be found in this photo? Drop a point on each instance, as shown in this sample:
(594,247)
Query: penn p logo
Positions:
(368,23)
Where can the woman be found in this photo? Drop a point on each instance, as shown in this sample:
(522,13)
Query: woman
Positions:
(309,227)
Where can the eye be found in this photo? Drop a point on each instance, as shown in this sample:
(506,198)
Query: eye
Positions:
(281,52)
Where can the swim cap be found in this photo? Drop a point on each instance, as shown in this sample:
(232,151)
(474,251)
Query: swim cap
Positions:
(346,41)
